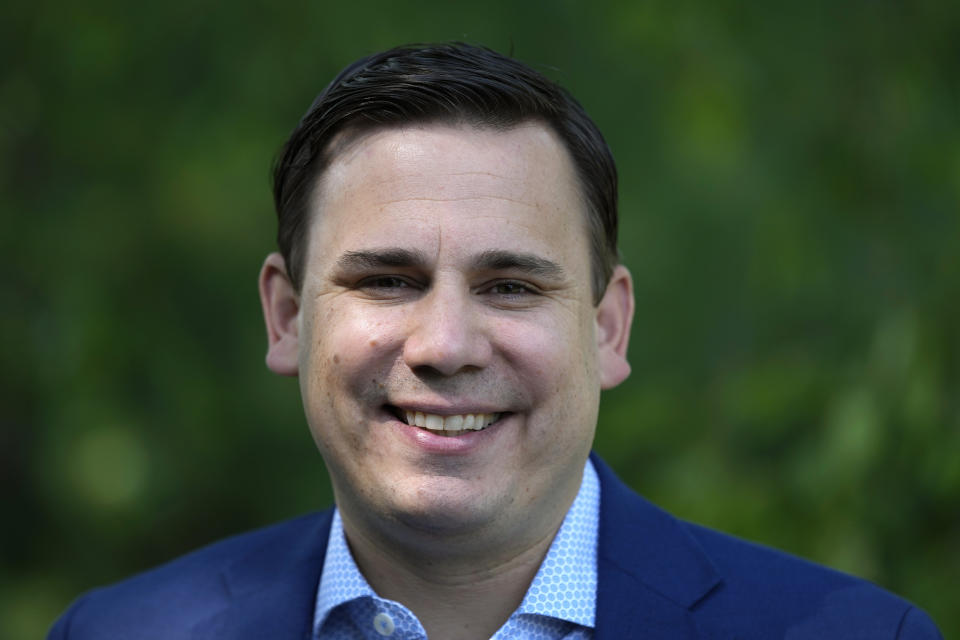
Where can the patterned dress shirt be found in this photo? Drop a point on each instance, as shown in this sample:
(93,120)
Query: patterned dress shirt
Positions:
(560,603)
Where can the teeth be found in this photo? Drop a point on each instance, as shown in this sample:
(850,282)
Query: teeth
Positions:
(434,422)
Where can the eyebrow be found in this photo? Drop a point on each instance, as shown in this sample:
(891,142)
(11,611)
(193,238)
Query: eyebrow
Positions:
(491,260)
(372,259)
(500,260)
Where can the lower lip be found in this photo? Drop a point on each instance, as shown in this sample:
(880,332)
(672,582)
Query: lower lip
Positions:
(463,444)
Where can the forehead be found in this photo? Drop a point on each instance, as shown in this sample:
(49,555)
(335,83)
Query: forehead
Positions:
(494,188)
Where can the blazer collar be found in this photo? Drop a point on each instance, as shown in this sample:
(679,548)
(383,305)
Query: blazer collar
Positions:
(651,570)
(272,589)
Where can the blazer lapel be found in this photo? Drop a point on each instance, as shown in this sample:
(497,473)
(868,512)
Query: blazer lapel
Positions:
(650,569)
(272,590)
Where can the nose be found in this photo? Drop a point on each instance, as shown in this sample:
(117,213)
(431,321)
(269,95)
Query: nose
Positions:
(447,333)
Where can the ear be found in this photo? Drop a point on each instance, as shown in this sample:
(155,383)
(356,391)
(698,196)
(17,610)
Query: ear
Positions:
(281,309)
(614,316)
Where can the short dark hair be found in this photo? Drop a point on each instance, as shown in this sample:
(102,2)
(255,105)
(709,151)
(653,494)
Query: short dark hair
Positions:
(443,83)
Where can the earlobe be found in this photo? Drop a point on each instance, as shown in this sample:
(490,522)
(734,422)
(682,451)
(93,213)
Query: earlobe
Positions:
(281,308)
(614,317)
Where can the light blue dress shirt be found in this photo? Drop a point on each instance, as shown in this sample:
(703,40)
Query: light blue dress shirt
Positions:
(561,601)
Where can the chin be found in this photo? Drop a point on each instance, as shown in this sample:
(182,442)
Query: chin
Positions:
(446,511)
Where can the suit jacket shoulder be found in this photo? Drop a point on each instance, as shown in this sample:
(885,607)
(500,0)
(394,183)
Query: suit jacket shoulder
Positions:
(259,584)
(661,577)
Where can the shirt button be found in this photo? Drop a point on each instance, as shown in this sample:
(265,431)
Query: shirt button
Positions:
(383,624)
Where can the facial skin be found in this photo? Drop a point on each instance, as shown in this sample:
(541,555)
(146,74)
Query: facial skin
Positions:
(448,273)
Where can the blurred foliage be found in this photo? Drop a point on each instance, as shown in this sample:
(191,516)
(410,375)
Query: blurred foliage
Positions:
(791,213)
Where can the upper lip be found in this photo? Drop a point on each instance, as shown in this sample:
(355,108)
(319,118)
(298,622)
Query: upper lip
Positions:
(446,410)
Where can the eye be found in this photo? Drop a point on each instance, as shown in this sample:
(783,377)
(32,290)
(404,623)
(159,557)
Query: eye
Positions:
(386,287)
(510,288)
(384,282)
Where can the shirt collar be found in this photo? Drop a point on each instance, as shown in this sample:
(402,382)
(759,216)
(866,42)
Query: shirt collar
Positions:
(565,586)
(341,580)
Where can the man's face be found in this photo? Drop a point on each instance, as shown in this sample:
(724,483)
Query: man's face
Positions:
(448,281)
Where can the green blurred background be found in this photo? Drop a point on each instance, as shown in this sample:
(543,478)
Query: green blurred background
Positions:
(790,211)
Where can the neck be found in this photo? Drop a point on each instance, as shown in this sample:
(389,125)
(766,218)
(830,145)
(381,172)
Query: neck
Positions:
(451,600)
(460,587)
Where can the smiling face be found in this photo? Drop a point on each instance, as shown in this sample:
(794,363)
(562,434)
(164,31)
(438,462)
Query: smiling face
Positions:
(449,353)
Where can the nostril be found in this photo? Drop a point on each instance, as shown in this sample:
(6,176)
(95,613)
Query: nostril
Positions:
(429,372)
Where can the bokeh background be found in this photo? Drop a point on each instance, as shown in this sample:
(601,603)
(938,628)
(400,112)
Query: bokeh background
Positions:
(790,210)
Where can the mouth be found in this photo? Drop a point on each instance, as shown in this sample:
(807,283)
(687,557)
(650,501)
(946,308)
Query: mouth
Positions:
(448,425)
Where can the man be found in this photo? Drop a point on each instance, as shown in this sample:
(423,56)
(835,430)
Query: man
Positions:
(449,295)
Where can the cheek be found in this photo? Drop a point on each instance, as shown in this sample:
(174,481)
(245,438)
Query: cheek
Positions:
(346,339)
(549,348)
(557,363)
(348,361)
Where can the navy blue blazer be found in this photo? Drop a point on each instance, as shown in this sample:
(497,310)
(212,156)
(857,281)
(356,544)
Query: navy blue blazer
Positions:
(658,578)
